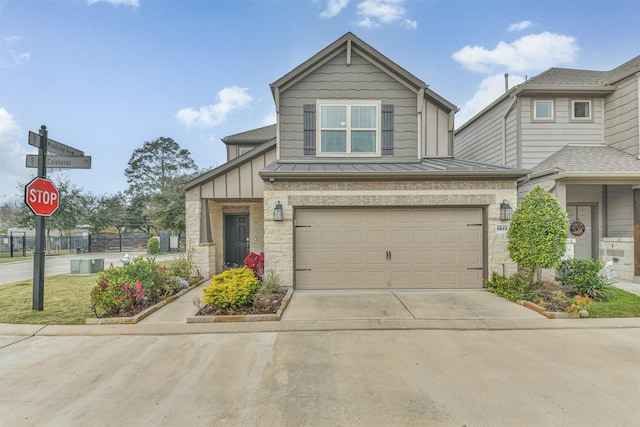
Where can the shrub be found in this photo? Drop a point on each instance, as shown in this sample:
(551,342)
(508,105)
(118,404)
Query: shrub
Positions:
(255,262)
(128,287)
(583,276)
(270,282)
(538,231)
(579,304)
(153,246)
(231,288)
(516,287)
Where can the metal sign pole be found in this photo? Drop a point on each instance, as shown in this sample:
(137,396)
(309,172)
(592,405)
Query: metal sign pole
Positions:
(38,256)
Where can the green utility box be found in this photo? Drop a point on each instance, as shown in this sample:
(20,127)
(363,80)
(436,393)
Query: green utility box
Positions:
(87,265)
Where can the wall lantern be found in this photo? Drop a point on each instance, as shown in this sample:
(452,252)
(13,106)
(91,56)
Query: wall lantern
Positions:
(505,211)
(277,212)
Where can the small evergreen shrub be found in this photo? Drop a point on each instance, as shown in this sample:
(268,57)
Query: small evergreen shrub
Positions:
(516,287)
(231,288)
(583,276)
(153,246)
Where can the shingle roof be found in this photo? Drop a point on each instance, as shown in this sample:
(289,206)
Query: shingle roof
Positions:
(258,135)
(572,77)
(593,159)
(447,167)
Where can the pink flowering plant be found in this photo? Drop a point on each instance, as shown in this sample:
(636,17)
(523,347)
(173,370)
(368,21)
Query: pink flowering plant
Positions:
(125,290)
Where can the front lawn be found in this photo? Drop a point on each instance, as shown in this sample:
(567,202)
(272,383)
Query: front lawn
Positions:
(621,304)
(66,301)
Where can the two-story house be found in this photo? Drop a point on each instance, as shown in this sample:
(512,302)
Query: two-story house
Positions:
(577,130)
(355,185)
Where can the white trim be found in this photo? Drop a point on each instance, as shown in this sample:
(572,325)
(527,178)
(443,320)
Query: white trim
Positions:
(348,103)
(535,110)
(573,111)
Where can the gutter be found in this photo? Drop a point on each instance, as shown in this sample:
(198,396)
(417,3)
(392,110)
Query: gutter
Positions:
(387,176)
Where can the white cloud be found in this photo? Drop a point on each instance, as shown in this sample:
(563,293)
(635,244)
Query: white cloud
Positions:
(489,90)
(334,7)
(519,26)
(533,52)
(18,59)
(269,120)
(132,3)
(229,99)
(410,24)
(373,13)
(12,161)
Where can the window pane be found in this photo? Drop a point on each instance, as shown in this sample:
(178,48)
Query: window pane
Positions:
(363,117)
(334,141)
(581,109)
(333,117)
(363,142)
(544,109)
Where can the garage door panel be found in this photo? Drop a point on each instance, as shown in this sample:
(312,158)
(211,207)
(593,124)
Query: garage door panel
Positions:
(428,247)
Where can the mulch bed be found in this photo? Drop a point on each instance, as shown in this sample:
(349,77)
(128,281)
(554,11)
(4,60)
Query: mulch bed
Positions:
(264,304)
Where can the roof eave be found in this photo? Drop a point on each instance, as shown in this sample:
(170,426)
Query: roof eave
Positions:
(593,90)
(389,176)
(213,173)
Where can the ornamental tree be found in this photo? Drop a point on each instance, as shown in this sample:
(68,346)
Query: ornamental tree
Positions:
(538,232)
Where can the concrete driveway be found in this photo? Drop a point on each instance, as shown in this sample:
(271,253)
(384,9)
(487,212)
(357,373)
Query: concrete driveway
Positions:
(403,305)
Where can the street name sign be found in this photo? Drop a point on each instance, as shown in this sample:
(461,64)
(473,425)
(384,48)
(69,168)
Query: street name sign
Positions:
(61,162)
(42,196)
(54,146)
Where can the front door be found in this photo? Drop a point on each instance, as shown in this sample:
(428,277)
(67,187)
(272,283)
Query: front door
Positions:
(236,239)
(581,229)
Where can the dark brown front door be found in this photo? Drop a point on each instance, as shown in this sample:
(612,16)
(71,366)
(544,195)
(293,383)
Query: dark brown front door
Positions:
(236,239)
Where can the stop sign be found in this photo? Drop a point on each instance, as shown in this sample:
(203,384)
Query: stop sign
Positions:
(41,196)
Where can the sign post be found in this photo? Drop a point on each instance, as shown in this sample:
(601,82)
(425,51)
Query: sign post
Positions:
(37,302)
(43,198)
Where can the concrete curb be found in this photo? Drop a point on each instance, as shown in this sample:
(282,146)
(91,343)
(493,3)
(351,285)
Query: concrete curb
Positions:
(245,317)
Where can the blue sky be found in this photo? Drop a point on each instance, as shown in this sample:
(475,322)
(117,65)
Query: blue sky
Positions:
(105,76)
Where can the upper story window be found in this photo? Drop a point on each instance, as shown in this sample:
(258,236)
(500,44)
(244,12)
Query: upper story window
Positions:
(581,110)
(543,109)
(349,128)
(244,149)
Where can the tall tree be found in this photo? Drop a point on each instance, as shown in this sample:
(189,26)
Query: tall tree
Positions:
(156,174)
(538,231)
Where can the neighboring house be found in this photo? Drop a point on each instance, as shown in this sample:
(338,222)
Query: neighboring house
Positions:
(355,185)
(577,130)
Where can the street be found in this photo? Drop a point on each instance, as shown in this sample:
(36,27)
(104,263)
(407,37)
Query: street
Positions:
(528,377)
(23,270)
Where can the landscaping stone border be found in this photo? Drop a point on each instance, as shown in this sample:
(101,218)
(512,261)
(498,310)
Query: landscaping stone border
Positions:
(554,314)
(132,320)
(245,317)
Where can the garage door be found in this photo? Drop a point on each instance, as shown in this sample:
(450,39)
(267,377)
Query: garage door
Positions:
(422,248)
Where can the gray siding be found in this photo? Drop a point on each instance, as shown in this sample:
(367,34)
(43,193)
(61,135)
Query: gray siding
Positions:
(481,140)
(622,116)
(337,80)
(541,139)
(620,211)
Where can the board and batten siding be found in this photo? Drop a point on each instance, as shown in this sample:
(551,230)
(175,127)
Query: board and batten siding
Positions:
(619,211)
(622,115)
(437,124)
(541,139)
(482,140)
(242,182)
(359,81)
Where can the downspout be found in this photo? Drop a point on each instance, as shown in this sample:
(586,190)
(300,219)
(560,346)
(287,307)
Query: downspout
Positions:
(420,106)
(504,129)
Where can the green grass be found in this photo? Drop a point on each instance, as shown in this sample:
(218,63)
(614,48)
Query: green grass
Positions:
(621,304)
(66,301)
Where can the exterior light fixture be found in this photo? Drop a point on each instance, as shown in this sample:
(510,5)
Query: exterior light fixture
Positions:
(278,215)
(505,211)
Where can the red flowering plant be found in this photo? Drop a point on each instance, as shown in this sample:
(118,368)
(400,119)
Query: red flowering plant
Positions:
(125,290)
(255,262)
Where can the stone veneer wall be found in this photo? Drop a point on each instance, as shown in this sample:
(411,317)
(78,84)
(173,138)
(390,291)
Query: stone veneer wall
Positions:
(209,256)
(620,251)
(279,236)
